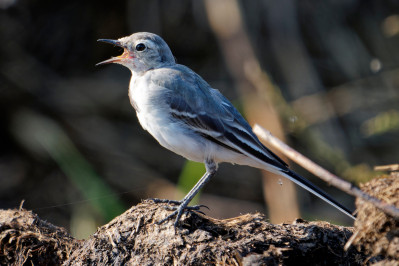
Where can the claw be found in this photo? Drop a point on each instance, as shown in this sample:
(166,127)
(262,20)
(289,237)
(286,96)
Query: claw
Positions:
(203,206)
(177,210)
(196,207)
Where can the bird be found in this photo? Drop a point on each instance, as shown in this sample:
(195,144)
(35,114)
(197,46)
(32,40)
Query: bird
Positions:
(190,118)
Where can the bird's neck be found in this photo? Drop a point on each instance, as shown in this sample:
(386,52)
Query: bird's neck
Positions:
(137,73)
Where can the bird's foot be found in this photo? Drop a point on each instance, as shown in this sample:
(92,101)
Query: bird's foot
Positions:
(178,212)
(174,202)
(179,207)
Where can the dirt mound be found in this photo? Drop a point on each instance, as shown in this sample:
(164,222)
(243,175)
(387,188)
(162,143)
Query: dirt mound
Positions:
(25,239)
(375,232)
(135,238)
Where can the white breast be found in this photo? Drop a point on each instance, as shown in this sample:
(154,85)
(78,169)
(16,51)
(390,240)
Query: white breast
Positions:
(154,117)
(139,99)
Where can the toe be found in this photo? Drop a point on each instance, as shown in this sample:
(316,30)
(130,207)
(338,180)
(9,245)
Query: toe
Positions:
(175,202)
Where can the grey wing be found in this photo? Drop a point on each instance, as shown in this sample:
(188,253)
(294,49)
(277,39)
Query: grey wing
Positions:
(213,117)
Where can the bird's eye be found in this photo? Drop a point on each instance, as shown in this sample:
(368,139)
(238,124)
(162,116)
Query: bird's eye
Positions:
(140,47)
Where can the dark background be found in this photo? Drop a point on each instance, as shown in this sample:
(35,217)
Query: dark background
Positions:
(71,145)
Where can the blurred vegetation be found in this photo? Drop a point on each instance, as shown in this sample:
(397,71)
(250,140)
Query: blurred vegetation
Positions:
(40,134)
(69,133)
(189,177)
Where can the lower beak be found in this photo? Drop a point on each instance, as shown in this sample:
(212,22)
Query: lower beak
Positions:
(113,59)
(108,61)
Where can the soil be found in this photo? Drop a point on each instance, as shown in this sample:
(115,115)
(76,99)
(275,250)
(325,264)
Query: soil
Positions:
(135,238)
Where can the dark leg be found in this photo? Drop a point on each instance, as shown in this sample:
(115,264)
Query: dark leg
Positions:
(211,168)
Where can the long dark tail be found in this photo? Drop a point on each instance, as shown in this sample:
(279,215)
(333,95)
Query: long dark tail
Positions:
(306,184)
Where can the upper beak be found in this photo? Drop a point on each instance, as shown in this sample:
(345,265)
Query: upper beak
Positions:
(113,59)
(114,42)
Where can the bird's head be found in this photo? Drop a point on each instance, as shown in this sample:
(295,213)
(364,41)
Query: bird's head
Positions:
(142,51)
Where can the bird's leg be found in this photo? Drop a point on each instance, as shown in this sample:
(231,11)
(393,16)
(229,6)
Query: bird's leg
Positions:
(211,168)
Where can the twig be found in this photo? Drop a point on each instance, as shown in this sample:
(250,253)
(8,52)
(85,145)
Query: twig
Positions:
(389,168)
(323,173)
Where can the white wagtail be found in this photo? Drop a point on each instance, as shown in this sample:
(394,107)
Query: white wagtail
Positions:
(187,116)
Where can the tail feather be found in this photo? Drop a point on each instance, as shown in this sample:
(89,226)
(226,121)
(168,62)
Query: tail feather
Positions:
(309,186)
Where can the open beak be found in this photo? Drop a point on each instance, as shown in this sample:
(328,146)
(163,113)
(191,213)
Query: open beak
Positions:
(125,55)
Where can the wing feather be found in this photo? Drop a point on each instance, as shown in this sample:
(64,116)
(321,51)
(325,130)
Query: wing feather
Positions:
(212,116)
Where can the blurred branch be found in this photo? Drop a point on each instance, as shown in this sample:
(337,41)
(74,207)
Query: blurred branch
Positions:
(323,173)
(382,123)
(228,24)
(390,168)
